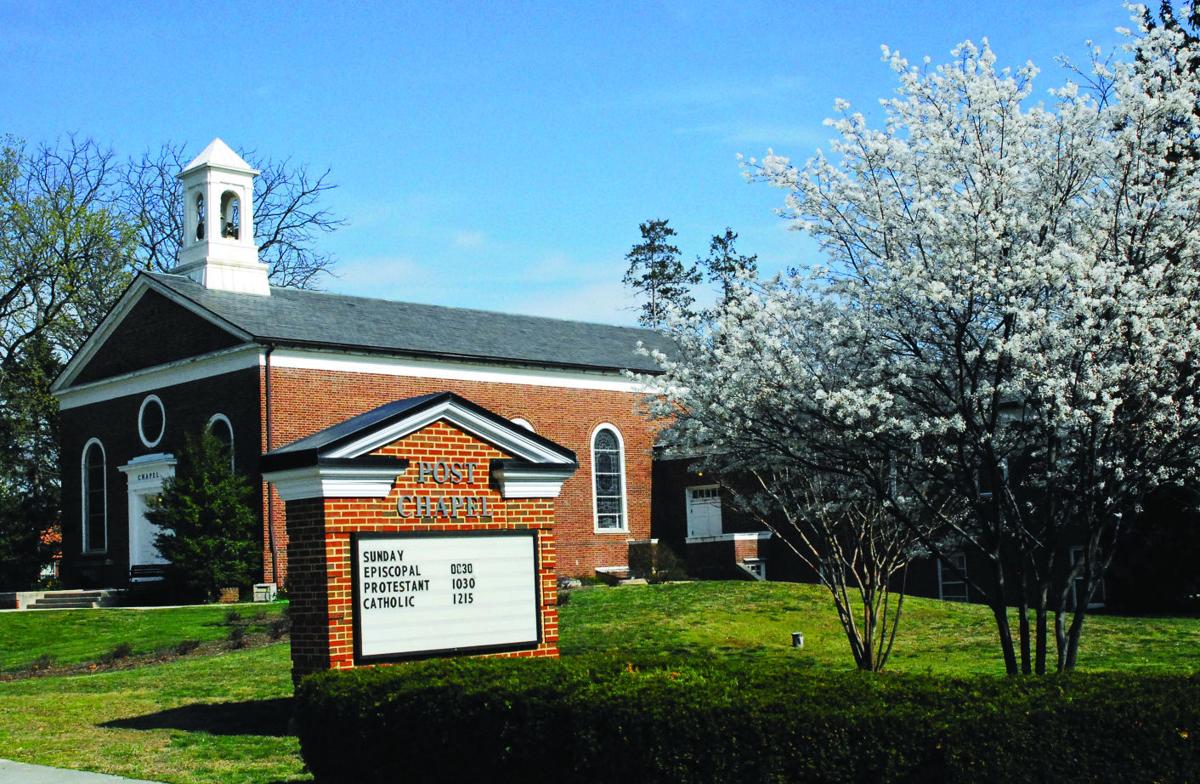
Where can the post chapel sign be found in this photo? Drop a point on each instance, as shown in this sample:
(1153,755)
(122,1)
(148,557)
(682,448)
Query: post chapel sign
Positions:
(422,528)
(446,592)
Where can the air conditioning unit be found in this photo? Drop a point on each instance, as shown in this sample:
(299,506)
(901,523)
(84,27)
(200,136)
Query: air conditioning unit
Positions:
(264,592)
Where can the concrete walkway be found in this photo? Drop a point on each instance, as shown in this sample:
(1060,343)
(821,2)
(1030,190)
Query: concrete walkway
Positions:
(20,773)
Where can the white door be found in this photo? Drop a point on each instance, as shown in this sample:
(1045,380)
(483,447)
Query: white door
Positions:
(142,532)
(145,476)
(704,511)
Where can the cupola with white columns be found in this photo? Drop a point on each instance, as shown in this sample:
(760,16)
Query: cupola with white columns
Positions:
(218,249)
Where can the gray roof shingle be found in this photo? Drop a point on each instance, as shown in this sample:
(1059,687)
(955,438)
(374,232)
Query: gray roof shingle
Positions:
(302,317)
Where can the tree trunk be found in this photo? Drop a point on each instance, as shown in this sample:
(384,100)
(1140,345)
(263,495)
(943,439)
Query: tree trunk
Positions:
(1060,637)
(1076,630)
(1006,641)
(868,636)
(1000,611)
(1040,657)
(1023,631)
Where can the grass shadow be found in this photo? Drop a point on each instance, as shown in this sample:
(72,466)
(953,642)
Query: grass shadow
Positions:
(252,717)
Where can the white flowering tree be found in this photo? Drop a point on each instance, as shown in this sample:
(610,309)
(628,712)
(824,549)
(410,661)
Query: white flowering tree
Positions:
(746,390)
(1012,304)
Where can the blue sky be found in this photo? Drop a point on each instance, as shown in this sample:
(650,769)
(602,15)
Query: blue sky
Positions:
(501,155)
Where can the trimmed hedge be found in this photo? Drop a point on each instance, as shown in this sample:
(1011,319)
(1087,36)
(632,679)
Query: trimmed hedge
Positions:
(589,719)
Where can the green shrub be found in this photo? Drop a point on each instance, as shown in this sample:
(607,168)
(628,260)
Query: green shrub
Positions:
(184,647)
(655,562)
(121,650)
(210,535)
(280,627)
(776,721)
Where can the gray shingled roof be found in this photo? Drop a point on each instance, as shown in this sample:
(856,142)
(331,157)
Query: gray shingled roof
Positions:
(299,317)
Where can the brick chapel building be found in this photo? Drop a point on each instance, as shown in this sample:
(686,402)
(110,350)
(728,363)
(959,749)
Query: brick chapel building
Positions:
(214,346)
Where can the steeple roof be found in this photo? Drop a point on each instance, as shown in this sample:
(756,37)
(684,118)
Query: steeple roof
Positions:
(221,155)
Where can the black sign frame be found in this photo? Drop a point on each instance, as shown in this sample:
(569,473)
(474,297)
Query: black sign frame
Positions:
(433,653)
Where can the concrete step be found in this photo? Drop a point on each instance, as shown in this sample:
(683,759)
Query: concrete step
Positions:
(91,596)
(27,600)
(66,604)
(62,600)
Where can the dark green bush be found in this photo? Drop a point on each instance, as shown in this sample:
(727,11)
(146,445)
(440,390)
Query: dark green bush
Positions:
(589,719)
(280,627)
(184,647)
(122,650)
(210,535)
(655,562)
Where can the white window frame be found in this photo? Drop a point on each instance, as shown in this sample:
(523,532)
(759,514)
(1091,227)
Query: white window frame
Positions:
(141,432)
(523,423)
(83,495)
(624,529)
(948,576)
(222,418)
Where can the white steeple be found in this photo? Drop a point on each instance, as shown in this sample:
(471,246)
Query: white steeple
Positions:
(218,248)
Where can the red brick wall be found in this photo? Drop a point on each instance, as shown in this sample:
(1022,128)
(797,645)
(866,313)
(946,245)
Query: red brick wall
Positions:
(305,401)
(748,548)
(308,585)
(319,547)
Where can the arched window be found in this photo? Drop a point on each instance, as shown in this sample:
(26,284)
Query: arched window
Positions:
(231,215)
(94,492)
(523,423)
(201,216)
(608,478)
(222,430)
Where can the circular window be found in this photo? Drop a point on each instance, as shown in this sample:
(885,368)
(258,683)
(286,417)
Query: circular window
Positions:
(152,421)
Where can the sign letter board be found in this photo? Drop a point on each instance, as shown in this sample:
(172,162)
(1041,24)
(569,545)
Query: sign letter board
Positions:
(434,593)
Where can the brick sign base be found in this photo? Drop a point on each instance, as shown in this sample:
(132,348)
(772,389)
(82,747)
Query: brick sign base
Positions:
(462,473)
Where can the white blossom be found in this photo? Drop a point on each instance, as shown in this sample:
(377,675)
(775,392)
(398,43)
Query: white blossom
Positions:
(983,251)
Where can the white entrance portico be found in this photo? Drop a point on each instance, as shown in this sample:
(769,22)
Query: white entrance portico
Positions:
(145,476)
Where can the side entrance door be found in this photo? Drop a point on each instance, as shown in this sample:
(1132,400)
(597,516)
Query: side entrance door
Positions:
(703,511)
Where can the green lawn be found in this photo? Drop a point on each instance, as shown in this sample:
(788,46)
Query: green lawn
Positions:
(205,719)
(223,718)
(757,619)
(77,636)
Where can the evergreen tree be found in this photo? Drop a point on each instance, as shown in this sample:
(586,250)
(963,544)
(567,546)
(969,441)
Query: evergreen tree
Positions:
(28,463)
(724,263)
(209,533)
(656,271)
